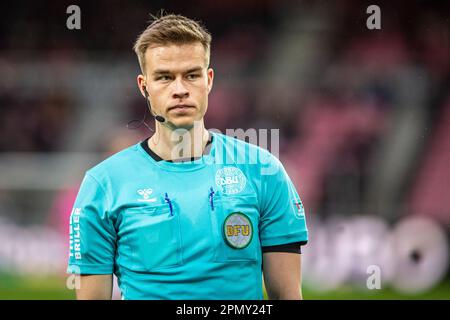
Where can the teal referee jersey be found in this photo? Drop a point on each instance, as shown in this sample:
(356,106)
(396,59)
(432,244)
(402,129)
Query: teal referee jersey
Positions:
(185,230)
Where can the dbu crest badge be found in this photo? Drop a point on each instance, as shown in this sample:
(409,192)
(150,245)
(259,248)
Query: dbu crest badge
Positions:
(237,230)
(230,180)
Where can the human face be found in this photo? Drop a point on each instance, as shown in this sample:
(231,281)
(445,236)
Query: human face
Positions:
(178,82)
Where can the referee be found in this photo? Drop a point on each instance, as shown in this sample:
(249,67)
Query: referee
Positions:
(199,223)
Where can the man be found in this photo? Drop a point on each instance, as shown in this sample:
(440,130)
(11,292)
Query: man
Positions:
(190,222)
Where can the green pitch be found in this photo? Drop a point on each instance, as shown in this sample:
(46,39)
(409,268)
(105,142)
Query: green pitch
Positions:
(14,287)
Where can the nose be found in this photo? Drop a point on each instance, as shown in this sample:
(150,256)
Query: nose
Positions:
(180,91)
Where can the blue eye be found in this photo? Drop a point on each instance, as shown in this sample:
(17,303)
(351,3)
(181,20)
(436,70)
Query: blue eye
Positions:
(193,76)
(163,78)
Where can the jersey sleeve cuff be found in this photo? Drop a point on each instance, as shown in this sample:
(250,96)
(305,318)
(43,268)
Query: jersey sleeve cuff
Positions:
(90,269)
(295,247)
(301,237)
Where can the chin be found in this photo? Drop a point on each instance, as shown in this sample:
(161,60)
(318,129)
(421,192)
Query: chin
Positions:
(184,124)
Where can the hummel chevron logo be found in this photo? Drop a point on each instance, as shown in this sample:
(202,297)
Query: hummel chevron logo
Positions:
(145,194)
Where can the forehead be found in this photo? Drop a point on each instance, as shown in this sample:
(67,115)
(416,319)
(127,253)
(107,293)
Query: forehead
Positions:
(175,57)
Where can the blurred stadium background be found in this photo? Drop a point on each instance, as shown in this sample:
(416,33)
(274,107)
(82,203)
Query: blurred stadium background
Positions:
(364,118)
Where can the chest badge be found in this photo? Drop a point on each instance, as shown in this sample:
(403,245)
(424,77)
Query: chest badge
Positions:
(237,230)
(230,180)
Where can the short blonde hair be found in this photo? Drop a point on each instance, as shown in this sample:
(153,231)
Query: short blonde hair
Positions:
(171,29)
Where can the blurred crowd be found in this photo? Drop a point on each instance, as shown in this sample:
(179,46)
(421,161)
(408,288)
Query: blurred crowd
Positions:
(33,123)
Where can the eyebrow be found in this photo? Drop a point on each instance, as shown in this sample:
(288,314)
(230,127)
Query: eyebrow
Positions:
(163,71)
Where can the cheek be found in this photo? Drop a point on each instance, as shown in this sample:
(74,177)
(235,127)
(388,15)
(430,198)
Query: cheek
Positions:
(204,99)
(161,96)
(200,92)
(158,101)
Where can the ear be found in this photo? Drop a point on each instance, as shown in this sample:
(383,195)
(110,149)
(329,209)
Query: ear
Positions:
(141,83)
(210,75)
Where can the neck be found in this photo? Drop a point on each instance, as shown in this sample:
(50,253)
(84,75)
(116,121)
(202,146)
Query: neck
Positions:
(180,143)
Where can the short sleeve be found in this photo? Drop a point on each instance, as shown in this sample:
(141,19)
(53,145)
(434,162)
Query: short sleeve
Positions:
(92,234)
(282,213)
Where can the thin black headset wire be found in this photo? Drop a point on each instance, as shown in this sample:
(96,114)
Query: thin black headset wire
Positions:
(142,122)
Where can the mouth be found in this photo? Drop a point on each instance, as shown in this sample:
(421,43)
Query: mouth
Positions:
(180,107)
